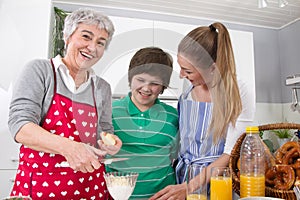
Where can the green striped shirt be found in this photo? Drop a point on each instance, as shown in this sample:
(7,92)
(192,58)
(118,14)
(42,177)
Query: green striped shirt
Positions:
(149,141)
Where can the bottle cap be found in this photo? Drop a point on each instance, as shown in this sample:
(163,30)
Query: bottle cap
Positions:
(251,129)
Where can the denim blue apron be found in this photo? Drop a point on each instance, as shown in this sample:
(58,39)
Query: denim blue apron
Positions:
(196,144)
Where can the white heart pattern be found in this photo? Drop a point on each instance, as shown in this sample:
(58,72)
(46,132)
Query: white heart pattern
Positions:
(35,165)
(84,124)
(80,111)
(25,185)
(45,164)
(33,183)
(63,193)
(71,137)
(87,134)
(62,103)
(22,173)
(71,109)
(70,182)
(56,113)
(51,194)
(39,194)
(81,180)
(31,155)
(48,121)
(45,184)
(41,154)
(59,123)
(76,192)
(57,183)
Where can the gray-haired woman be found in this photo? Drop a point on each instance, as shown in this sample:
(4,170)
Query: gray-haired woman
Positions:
(59,107)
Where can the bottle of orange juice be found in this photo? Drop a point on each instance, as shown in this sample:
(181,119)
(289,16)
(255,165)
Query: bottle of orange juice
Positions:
(252,169)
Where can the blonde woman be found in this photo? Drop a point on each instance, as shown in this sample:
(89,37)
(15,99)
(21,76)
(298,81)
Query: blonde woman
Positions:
(214,110)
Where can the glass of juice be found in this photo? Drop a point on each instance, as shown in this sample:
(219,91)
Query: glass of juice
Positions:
(220,183)
(196,182)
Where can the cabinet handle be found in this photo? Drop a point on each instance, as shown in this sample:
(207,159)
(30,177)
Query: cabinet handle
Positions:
(11,180)
(14,159)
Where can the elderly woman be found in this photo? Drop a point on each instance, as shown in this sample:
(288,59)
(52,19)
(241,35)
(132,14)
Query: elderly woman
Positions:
(59,107)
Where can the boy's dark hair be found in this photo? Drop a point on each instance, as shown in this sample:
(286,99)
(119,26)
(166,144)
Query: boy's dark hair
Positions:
(153,61)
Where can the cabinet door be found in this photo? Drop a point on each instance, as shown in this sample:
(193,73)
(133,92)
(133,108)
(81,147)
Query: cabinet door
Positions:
(9,153)
(6,182)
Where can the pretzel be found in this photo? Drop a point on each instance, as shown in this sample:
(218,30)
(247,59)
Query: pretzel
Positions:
(281,177)
(284,150)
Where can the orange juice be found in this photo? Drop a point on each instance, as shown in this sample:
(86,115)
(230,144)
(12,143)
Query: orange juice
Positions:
(252,186)
(220,188)
(196,197)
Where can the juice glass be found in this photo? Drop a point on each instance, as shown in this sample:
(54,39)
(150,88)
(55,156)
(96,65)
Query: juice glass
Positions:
(196,182)
(252,185)
(220,184)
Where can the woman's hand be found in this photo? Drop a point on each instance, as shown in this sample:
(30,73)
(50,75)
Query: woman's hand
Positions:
(83,157)
(111,149)
(176,192)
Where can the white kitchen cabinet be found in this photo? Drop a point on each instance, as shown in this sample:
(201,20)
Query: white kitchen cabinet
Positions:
(25,37)
(6,181)
(9,162)
(133,34)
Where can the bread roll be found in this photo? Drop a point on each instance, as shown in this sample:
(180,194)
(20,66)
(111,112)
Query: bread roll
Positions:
(108,138)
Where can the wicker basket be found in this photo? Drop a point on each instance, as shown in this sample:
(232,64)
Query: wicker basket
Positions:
(235,154)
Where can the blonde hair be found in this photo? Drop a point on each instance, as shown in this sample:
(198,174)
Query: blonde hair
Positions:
(204,46)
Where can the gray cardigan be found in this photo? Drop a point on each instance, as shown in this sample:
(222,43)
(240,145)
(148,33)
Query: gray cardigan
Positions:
(34,89)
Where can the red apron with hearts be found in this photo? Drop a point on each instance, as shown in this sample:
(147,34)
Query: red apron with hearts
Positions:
(40,175)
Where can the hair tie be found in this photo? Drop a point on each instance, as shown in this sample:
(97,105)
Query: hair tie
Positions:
(212,28)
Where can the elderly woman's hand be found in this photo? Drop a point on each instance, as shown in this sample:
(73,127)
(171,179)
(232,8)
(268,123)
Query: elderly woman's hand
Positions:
(83,157)
(111,149)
